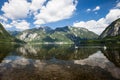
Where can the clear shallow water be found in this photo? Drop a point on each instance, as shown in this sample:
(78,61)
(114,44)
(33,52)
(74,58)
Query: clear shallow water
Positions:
(59,62)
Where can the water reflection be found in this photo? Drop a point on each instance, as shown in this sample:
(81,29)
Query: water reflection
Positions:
(27,69)
(113,54)
(98,59)
(63,52)
(6,50)
(58,62)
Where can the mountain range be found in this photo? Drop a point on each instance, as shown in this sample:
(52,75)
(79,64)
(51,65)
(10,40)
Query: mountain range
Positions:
(62,35)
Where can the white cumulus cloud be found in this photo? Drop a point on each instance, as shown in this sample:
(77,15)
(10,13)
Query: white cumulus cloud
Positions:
(5,25)
(88,10)
(99,25)
(96,8)
(92,25)
(36,5)
(56,10)
(21,25)
(112,15)
(2,19)
(118,5)
(14,9)
(92,10)
(42,11)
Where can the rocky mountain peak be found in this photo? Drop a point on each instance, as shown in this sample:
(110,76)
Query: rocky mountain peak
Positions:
(112,30)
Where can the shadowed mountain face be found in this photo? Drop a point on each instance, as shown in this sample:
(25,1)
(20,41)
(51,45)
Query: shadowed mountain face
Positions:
(64,35)
(4,34)
(5,37)
(112,30)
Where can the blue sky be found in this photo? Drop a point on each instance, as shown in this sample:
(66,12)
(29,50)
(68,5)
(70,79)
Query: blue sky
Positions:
(94,15)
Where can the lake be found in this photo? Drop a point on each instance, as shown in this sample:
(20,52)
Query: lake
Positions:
(59,62)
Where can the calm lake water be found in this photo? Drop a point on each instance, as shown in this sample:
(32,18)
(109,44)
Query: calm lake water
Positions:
(59,62)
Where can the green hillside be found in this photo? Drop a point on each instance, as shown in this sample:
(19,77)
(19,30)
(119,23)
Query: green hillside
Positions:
(5,37)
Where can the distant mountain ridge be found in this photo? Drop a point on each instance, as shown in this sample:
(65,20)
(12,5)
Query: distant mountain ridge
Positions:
(13,33)
(65,34)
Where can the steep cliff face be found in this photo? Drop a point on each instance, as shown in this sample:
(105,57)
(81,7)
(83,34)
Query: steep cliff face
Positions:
(112,30)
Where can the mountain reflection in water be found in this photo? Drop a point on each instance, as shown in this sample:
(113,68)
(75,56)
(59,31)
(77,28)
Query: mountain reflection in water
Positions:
(58,62)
